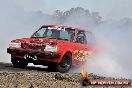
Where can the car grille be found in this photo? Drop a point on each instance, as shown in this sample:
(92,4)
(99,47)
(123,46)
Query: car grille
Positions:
(35,45)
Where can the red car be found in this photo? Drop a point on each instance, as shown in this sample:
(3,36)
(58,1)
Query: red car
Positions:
(58,47)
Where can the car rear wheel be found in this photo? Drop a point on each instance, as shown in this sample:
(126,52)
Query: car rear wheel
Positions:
(65,64)
(18,63)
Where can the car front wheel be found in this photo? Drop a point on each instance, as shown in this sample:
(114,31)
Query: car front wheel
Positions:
(65,64)
(18,63)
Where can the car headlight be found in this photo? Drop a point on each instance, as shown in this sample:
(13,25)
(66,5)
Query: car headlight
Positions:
(51,48)
(15,44)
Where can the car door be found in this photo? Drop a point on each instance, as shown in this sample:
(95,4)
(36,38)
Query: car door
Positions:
(85,46)
(81,46)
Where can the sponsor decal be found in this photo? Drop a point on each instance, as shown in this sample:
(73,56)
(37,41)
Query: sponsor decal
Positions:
(30,57)
(82,55)
(57,28)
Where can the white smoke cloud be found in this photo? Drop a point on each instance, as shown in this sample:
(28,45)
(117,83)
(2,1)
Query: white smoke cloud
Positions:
(114,42)
(114,55)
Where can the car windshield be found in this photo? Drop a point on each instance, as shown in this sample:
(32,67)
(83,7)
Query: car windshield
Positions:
(55,32)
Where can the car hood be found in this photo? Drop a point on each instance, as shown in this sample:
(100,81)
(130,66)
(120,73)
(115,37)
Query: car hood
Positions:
(37,43)
(39,40)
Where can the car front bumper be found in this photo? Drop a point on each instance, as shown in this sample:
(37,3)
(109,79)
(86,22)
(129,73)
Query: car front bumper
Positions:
(38,54)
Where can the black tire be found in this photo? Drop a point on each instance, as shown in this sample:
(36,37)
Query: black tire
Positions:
(18,63)
(52,67)
(65,64)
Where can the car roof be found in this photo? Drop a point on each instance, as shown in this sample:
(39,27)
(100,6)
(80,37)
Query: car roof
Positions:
(53,25)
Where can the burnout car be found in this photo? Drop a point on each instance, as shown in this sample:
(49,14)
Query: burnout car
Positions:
(55,46)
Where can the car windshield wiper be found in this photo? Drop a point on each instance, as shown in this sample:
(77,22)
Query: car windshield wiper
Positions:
(51,38)
(38,37)
(63,39)
(57,38)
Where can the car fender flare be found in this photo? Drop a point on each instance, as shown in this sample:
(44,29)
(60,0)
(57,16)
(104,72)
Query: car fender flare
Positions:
(63,53)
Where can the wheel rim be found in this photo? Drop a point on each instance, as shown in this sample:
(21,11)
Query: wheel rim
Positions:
(65,63)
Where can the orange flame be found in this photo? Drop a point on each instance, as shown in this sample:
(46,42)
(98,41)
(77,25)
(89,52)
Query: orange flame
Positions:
(84,74)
